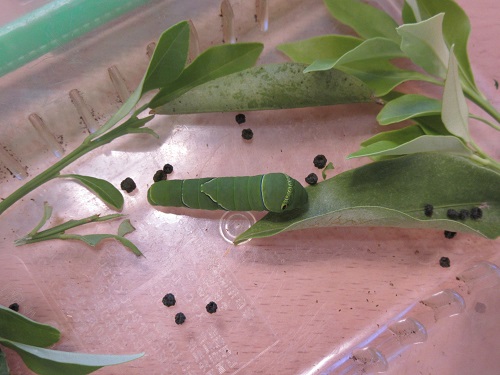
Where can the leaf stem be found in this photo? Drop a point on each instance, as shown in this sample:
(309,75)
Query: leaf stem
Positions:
(481,102)
(86,146)
(482,157)
(496,127)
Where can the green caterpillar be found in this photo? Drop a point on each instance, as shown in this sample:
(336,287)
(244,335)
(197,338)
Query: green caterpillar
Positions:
(275,192)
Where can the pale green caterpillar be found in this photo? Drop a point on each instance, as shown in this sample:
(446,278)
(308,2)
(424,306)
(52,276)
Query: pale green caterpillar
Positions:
(275,192)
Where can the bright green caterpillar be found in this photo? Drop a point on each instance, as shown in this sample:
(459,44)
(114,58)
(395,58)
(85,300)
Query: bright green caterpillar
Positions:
(275,192)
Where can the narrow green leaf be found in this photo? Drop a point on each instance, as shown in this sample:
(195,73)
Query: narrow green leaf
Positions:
(167,63)
(169,57)
(371,49)
(145,131)
(408,106)
(94,239)
(456,30)
(328,167)
(102,188)
(125,228)
(270,86)
(58,230)
(47,213)
(411,12)
(382,77)
(432,125)
(423,43)
(17,327)
(424,143)
(54,362)
(393,193)
(325,47)
(215,62)
(366,20)
(4,368)
(455,114)
(128,244)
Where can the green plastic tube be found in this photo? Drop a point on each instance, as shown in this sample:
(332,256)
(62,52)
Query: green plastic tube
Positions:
(53,25)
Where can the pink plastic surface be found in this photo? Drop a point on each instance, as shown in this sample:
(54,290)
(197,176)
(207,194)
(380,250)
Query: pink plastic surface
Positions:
(333,300)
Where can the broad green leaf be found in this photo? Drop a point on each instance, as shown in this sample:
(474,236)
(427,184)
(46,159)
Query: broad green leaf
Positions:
(371,49)
(423,43)
(325,47)
(455,114)
(382,76)
(215,62)
(102,188)
(167,63)
(456,30)
(408,106)
(94,239)
(393,193)
(366,20)
(125,228)
(271,86)
(328,167)
(169,57)
(4,368)
(47,213)
(54,362)
(17,327)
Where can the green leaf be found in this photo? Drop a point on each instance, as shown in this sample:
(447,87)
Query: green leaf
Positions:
(382,76)
(325,47)
(4,368)
(17,327)
(94,239)
(371,49)
(270,86)
(408,106)
(167,63)
(456,30)
(366,20)
(455,114)
(328,167)
(47,213)
(145,131)
(169,57)
(393,193)
(423,43)
(54,362)
(398,142)
(432,125)
(125,228)
(103,189)
(411,12)
(215,62)
(128,244)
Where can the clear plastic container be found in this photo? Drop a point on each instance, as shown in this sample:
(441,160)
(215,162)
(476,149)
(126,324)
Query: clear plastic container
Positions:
(322,301)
